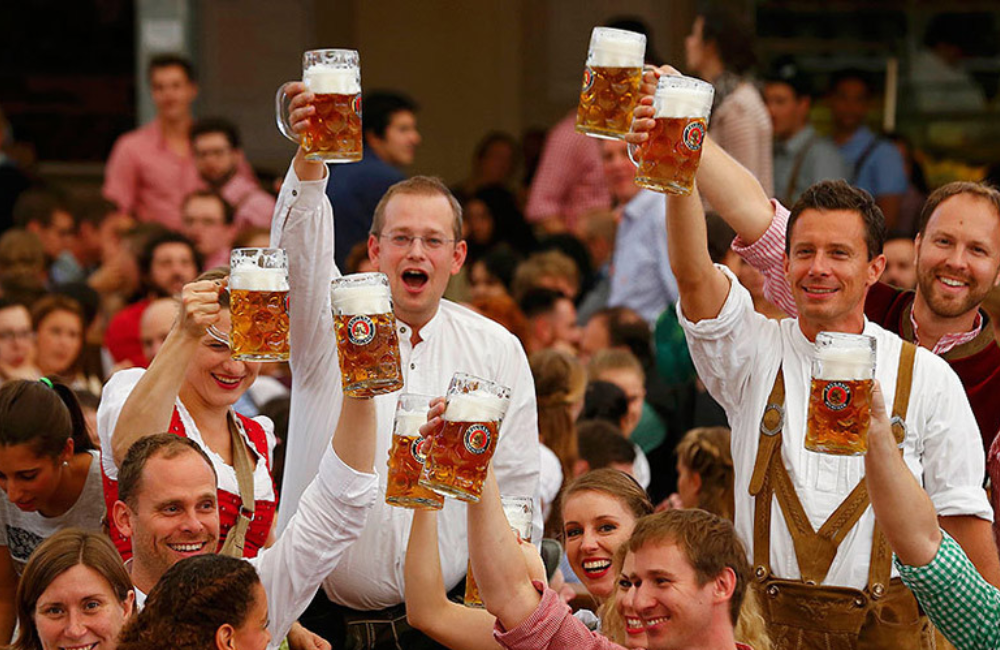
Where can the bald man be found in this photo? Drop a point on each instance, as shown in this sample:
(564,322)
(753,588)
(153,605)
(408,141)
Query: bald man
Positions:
(155,324)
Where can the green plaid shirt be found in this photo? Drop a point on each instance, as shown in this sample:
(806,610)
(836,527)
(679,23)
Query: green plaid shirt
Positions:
(957,599)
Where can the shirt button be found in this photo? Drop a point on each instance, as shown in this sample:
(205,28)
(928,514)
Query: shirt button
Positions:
(295,192)
(403,330)
(413,366)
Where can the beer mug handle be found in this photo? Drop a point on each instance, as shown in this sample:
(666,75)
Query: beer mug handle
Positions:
(214,332)
(632,149)
(281,113)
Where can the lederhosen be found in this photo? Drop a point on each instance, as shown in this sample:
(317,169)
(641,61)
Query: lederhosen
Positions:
(804,613)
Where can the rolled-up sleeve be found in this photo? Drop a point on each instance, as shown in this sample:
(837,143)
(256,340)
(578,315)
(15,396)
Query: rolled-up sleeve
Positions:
(331,515)
(551,626)
(767,255)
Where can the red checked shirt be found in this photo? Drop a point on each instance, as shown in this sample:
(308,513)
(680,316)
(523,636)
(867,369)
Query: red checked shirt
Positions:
(552,626)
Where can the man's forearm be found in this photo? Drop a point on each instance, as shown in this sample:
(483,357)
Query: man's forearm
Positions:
(308,170)
(975,536)
(703,288)
(354,440)
(734,193)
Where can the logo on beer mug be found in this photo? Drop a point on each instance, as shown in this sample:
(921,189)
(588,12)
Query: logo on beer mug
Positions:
(837,396)
(477,439)
(419,450)
(356,105)
(588,79)
(694,135)
(360,330)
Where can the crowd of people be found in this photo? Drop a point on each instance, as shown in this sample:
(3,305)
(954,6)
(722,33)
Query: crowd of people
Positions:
(657,349)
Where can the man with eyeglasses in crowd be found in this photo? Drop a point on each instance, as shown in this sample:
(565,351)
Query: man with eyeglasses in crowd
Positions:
(416,240)
(17,342)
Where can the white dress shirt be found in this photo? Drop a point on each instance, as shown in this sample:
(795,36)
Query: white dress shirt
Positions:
(331,515)
(738,354)
(456,339)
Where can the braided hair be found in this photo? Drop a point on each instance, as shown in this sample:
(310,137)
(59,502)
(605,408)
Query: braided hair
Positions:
(705,450)
(192,600)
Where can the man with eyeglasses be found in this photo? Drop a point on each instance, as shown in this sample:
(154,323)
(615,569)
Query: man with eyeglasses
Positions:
(17,342)
(215,143)
(416,240)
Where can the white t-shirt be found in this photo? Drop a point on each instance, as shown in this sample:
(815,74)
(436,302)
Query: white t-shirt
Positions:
(21,532)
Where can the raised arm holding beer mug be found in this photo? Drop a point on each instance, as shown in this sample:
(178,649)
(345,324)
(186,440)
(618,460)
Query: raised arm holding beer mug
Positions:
(820,542)
(416,242)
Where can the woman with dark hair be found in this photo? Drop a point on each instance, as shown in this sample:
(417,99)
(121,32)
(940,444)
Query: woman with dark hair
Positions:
(720,51)
(75,592)
(50,473)
(207,602)
(189,390)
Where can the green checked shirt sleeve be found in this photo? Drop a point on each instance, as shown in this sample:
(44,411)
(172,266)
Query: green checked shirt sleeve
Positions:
(957,599)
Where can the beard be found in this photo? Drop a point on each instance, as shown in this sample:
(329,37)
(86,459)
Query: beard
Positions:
(947,306)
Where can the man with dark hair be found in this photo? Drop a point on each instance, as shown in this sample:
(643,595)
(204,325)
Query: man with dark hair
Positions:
(391,139)
(215,143)
(551,321)
(167,262)
(602,444)
(874,164)
(100,225)
(801,156)
(207,220)
(46,214)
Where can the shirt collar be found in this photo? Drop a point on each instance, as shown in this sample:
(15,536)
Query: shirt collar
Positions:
(427,331)
(795,143)
(951,340)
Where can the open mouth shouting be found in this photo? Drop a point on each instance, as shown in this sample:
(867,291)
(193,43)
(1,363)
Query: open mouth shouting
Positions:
(415,280)
(596,567)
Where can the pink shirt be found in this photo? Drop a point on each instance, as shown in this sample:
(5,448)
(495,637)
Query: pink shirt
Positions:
(253,205)
(570,178)
(742,126)
(147,179)
(552,626)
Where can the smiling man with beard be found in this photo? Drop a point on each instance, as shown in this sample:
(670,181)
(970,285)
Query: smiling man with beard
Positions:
(415,239)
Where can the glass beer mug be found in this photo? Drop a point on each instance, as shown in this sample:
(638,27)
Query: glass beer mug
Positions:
(610,83)
(840,395)
(669,159)
(460,453)
(258,305)
(519,511)
(406,457)
(367,342)
(334,133)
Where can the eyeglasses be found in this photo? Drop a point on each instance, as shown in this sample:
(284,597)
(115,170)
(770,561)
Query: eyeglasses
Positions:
(431,242)
(10,335)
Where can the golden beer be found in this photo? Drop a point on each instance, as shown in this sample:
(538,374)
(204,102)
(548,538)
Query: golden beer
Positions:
(260,325)
(607,99)
(334,131)
(518,511)
(367,341)
(611,82)
(460,453)
(840,394)
(668,160)
(258,304)
(406,457)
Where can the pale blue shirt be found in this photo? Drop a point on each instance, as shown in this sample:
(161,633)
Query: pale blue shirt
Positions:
(640,269)
(882,171)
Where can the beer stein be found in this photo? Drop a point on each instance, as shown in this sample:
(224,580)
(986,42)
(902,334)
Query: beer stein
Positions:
(334,133)
(258,305)
(610,83)
(840,394)
(519,511)
(406,457)
(669,159)
(367,342)
(460,453)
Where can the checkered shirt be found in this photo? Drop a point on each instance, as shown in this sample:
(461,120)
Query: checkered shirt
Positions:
(957,599)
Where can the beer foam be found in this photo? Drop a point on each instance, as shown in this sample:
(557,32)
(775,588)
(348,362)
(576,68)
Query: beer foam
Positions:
(355,300)
(844,364)
(408,423)
(258,279)
(616,48)
(326,80)
(678,103)
(479,406)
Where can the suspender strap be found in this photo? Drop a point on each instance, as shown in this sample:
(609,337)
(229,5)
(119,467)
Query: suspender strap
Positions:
(244,477)
(793,178)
